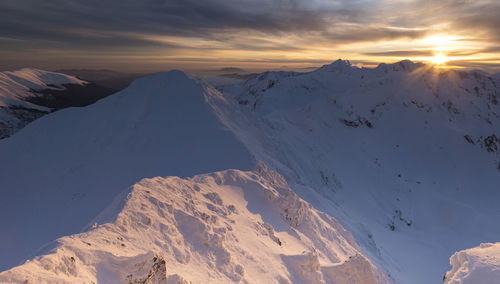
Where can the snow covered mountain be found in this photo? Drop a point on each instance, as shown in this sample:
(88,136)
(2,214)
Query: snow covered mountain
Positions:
(102,77)
(228,226)
(61,170)
(405,156)
(27,94)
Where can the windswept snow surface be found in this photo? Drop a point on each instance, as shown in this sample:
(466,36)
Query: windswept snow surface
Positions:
(229,226)
(404,155)
(16,87)
(61,170)
(476,265)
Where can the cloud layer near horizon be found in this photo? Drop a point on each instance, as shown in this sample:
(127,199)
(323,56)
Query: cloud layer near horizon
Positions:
(127,32)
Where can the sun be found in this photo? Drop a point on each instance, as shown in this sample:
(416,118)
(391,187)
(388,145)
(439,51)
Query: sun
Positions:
(439,59)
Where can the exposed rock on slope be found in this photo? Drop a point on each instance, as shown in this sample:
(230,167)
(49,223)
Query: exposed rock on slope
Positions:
(229,226)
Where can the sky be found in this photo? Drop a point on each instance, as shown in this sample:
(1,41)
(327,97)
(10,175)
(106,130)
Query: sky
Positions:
(154,35)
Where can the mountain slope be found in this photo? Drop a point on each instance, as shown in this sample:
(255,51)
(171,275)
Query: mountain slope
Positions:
(61,170)
(18,85)
(405,156)
(107,78)
(27,94)
(229,226)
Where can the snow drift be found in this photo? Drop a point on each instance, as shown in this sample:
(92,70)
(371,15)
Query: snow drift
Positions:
(476,265)
(229,226)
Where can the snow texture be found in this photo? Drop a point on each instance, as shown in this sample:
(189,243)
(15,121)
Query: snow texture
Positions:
(16,87)
(405,156)
(229,226)
(476,265)
(61,170)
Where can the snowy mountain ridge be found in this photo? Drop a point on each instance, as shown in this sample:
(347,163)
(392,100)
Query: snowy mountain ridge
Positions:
(457,95)
(404,156)
(28,94)
(232,226)
(16,86)
(63,169)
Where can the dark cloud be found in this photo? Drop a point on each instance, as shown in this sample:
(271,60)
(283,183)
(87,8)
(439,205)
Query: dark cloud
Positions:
(493,49)
(114,23)
(70,19)
(420,53)
(149,27)
(401,53)
(484,65)
(477,18)
(370,34)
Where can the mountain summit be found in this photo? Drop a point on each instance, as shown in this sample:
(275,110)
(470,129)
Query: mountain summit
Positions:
(405,156)
(229,226)
(61,170)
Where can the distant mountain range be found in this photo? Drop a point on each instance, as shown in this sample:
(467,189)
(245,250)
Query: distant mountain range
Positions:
(28,94)
(106,78)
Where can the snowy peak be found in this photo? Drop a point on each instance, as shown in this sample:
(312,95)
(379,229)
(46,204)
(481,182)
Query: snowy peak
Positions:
(173,86)
(16,86)
(44,78)
(28,94)
(346,66)
(401,66)
(162,79)
(337,66)
(83,157)
(229,226)
(404,156)
(406,82)
(392,151)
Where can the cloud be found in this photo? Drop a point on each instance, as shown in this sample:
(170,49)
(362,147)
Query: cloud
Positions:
(401,53)
(188,18)
(421,53)
(122,22)
(370,34)
(492,67)
(195,28)
(478,17)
